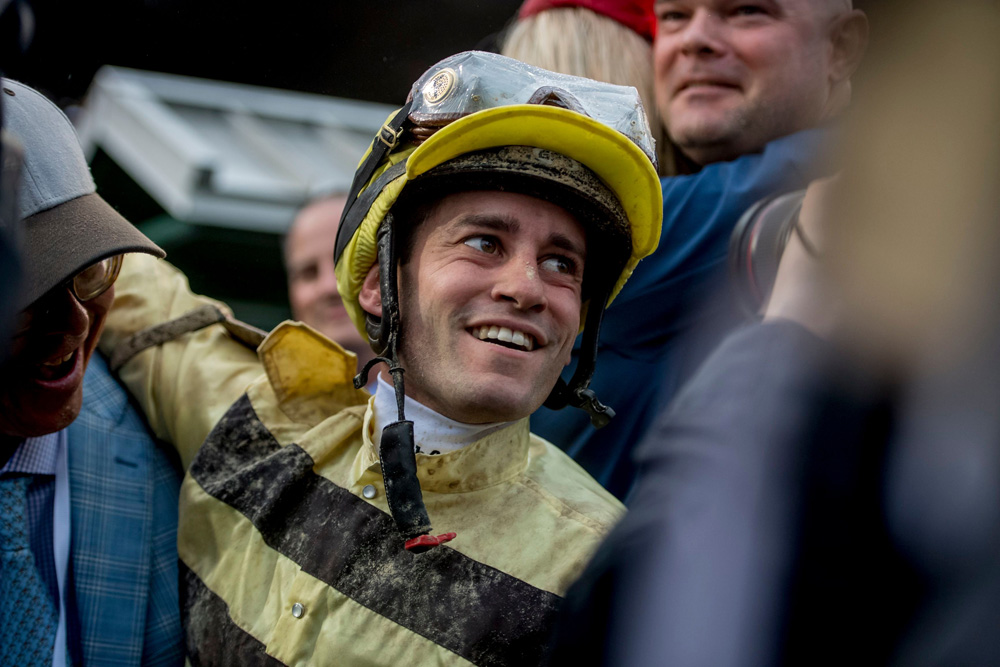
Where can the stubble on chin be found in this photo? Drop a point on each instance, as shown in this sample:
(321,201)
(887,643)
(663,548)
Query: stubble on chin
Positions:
(735,133)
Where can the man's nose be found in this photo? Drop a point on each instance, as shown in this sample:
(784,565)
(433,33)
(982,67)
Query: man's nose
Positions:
(518,282)
(703,34)
(327,280)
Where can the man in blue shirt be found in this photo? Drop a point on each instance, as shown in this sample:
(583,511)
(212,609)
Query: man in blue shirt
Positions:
(88,503)
(738,87)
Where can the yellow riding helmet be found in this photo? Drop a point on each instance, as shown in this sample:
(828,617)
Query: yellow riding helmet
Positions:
(475,101)
(482,121)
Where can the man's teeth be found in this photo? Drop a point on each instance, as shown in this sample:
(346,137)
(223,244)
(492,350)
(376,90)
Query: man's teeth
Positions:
(505,335)
(58,362)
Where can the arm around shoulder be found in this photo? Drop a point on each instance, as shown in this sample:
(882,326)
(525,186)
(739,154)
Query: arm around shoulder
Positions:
(184,385)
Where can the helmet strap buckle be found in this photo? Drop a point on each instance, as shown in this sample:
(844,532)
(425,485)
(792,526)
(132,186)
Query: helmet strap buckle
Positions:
(389,136)
(575,393)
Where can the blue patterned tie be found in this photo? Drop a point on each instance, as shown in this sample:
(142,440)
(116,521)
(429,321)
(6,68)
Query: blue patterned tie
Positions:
(26,609)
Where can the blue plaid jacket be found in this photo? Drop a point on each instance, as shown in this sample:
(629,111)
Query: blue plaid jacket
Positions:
(123,495)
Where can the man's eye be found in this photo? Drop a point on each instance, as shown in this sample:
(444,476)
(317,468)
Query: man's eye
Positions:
(306,274)
(670,15)
(486,244)
(749,10)
(559,265)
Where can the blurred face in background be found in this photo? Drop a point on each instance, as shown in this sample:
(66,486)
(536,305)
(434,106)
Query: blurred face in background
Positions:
(312,284)
(732,76)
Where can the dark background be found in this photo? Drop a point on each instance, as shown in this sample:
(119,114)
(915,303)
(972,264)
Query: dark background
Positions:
(370,51)
(365,50)
(361,50)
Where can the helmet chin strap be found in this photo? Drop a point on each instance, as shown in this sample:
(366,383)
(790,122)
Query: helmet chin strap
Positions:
(396,451)
(576,393)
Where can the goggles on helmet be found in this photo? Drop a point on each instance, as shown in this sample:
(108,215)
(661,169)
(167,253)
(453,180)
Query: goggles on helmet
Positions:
(475,81)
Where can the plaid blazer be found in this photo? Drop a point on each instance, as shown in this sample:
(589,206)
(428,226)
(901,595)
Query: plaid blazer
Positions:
(123,496)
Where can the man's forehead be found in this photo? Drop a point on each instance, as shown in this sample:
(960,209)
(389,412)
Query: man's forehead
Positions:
(506,211)
(474,201)
(324,213)
(317,221)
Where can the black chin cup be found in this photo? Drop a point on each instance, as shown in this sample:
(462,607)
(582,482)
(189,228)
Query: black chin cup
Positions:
(402,488)
(575,393)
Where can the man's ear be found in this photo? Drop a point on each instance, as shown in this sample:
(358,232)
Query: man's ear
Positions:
(370,296)
(848,41)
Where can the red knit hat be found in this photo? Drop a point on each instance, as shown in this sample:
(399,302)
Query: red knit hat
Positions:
(634,14)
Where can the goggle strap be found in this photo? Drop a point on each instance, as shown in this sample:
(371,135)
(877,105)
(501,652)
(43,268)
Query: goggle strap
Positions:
(356,213)
(382,145)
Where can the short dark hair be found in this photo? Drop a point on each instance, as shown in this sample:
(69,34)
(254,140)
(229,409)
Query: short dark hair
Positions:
(410,211)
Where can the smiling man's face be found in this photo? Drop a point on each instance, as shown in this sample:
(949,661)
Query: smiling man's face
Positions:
(490,304)
(732,76)
(42,387)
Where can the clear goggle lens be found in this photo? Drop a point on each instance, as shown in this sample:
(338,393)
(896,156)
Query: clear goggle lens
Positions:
(95,280)
(473,81)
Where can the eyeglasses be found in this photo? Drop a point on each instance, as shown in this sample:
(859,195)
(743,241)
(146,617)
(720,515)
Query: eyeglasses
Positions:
(86,286)
(95,280)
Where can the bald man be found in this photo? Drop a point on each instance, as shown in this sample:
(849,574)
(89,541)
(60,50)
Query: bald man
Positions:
(312,285)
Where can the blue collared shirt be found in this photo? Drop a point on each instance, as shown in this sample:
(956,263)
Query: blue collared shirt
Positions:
(39,458)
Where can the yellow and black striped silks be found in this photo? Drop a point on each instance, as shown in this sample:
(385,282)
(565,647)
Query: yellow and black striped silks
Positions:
(286,561)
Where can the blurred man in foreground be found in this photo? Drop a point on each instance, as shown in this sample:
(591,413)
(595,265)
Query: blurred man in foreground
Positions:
(826,485)
(738,87)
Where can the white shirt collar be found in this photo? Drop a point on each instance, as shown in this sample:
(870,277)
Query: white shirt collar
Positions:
(433,433)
